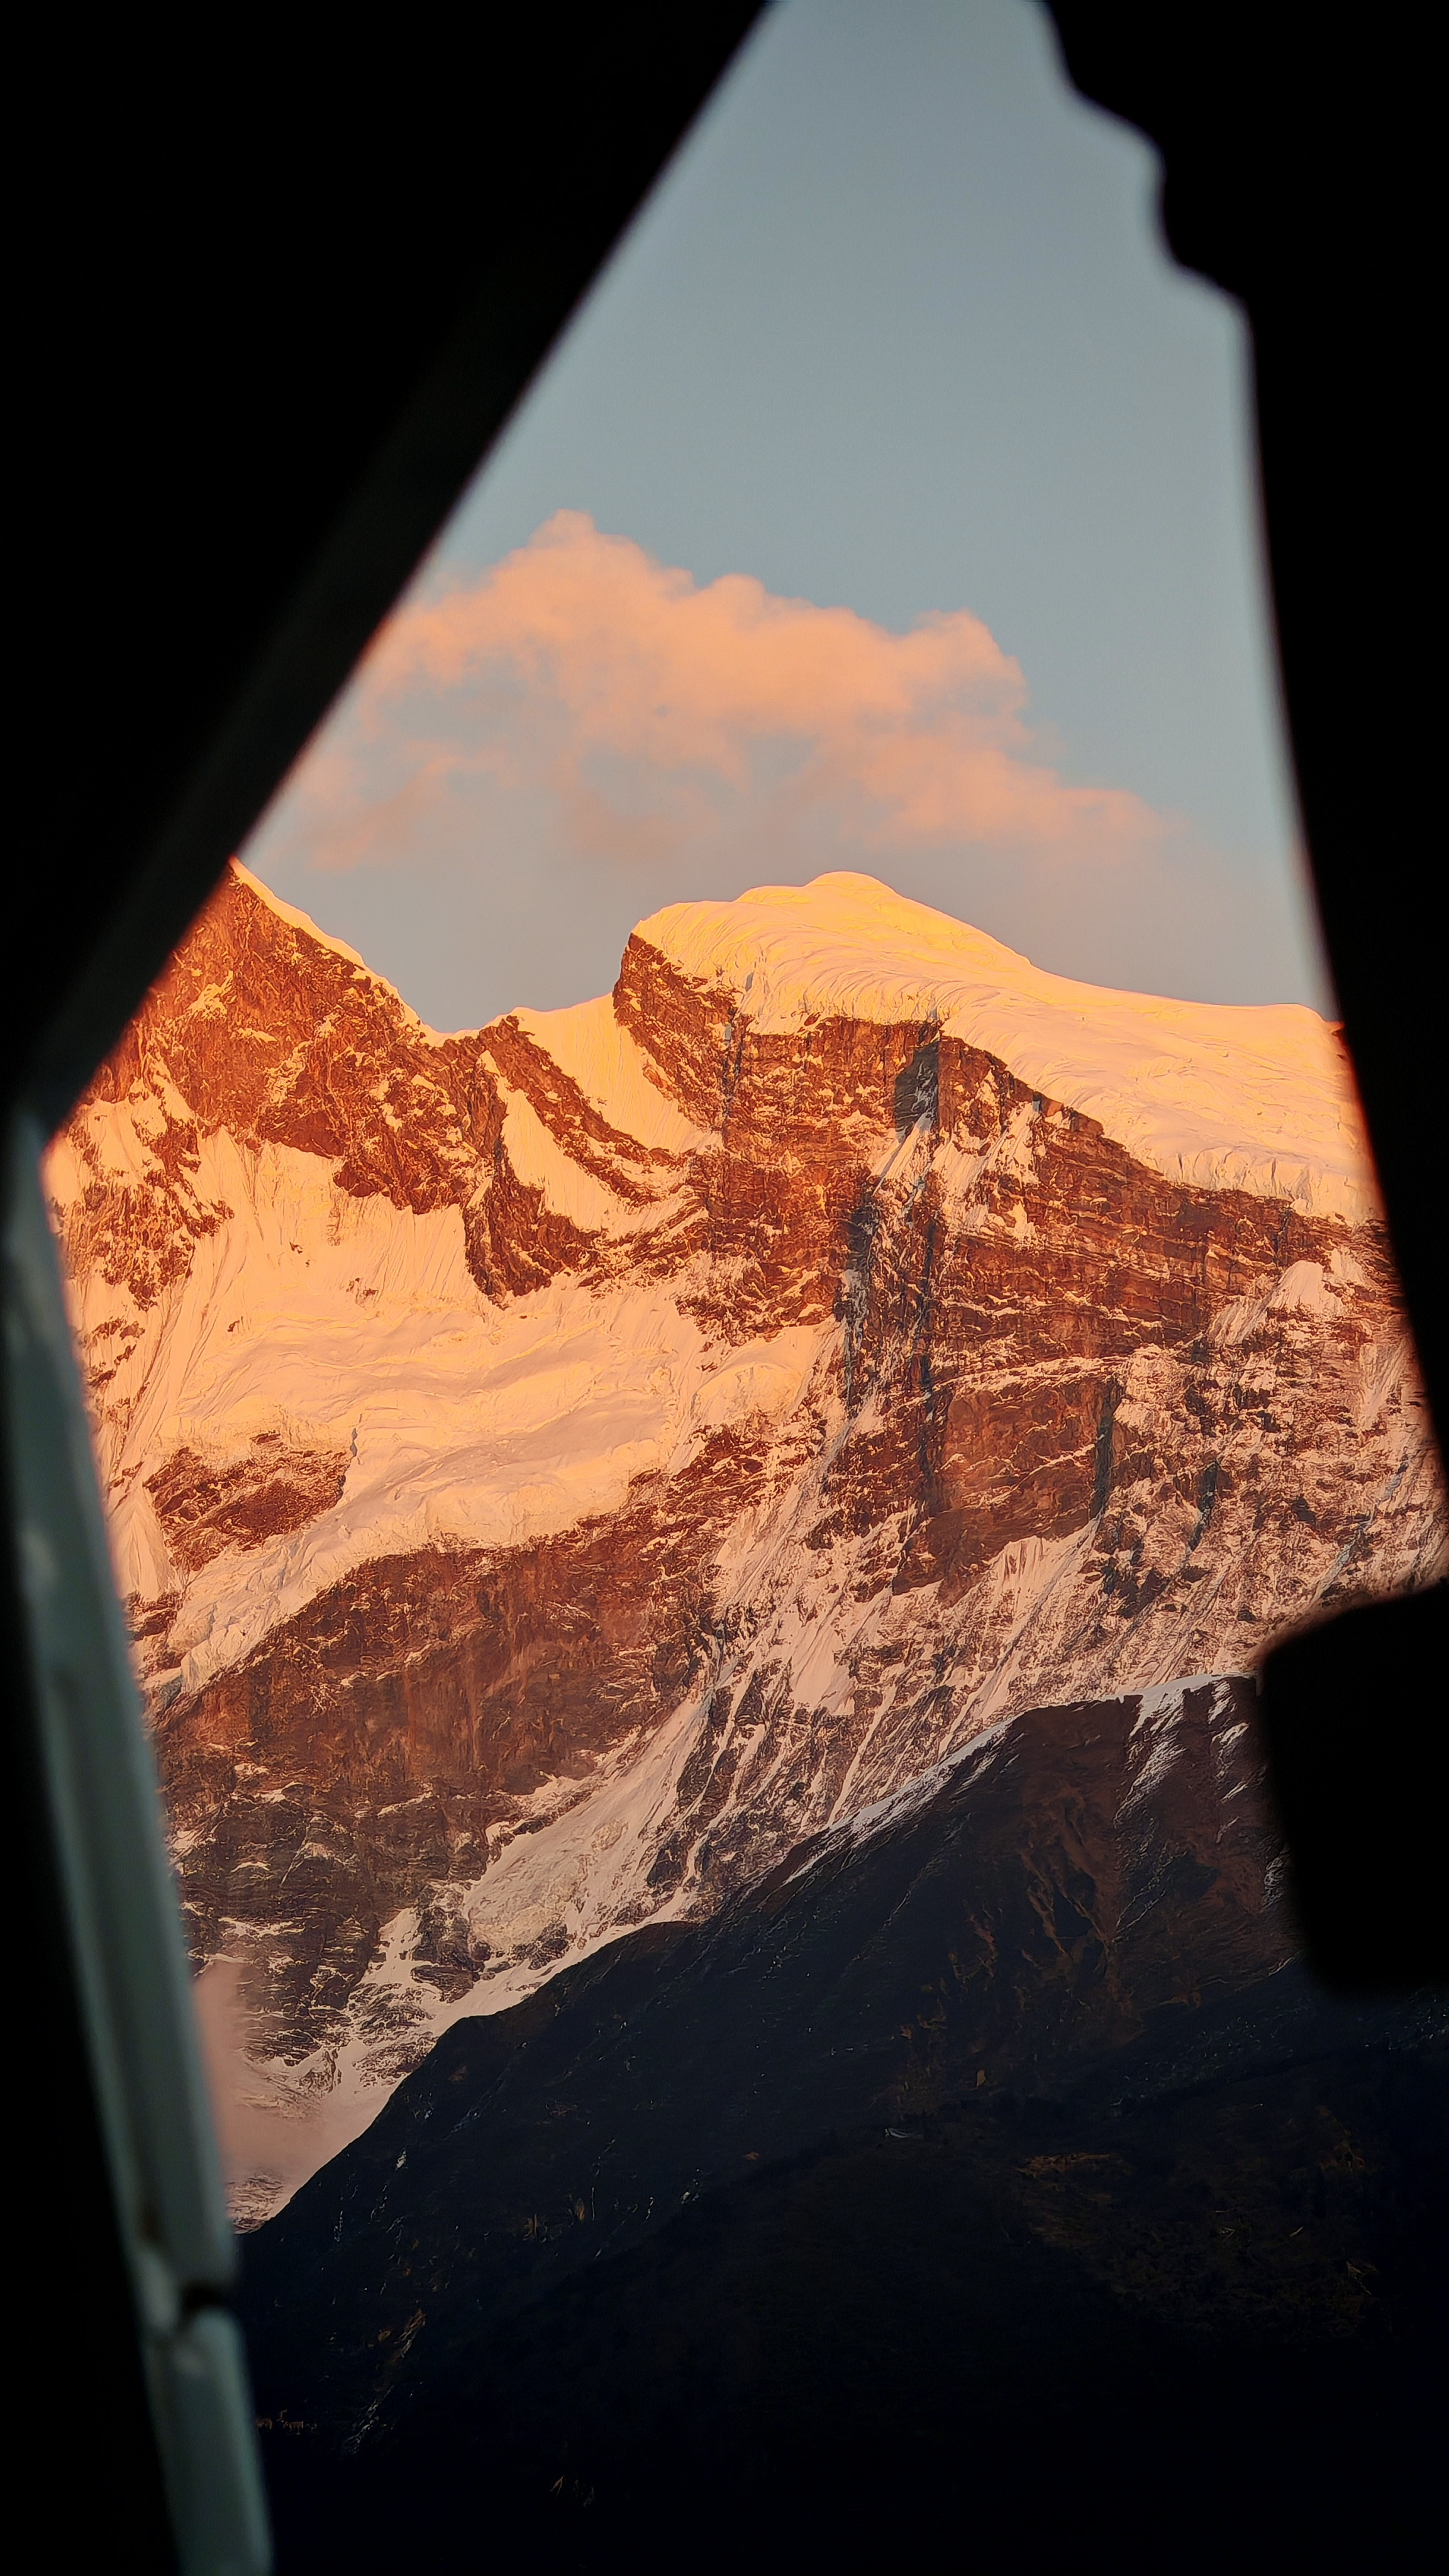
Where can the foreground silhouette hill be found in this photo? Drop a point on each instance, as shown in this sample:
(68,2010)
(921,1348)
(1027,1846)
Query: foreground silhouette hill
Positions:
(909,2185)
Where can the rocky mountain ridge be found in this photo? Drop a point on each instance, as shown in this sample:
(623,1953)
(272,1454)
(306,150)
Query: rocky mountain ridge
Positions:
(1077,1879)
(991,2127)
(558,1469)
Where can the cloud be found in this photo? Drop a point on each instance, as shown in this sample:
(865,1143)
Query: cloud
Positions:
(644,710)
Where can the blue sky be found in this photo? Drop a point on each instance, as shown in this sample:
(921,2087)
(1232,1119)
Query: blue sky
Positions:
(895,334)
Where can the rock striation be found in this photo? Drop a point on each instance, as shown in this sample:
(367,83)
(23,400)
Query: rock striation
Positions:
(556,1470)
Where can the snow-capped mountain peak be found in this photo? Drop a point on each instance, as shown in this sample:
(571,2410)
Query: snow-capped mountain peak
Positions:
(558,1469)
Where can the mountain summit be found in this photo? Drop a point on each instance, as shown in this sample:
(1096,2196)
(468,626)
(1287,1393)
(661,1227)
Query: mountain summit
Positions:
(557,1470)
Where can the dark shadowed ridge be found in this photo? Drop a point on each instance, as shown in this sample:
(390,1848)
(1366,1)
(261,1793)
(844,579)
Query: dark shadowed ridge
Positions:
(1010,2103)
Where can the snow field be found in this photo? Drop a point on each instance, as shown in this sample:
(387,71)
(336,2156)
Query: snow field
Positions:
(1216,1095)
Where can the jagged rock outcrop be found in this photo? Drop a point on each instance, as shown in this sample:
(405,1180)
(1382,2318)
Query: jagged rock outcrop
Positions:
(556,1470)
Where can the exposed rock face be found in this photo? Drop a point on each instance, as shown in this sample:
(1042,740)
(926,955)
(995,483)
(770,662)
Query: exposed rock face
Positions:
(982,2113)
(558,1469)
(1082,1878)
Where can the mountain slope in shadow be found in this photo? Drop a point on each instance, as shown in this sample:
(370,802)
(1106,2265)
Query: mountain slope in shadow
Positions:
(986,2162)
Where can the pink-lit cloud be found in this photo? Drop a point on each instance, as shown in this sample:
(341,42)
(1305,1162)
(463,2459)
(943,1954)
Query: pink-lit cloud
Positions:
(648,708)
